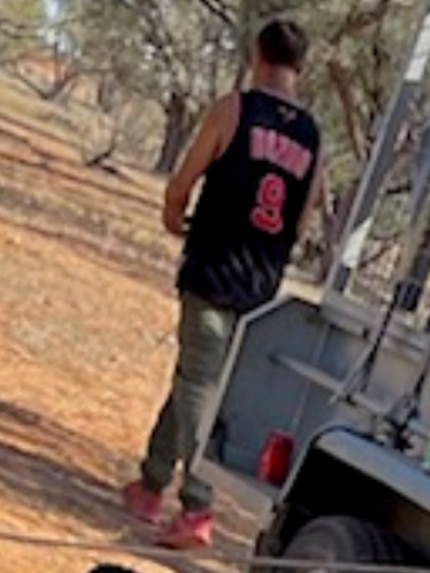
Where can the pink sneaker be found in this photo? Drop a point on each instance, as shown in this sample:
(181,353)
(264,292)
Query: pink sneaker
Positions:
(142,502)
(188,530)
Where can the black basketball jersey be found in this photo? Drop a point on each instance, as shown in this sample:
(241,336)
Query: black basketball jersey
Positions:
(245,221)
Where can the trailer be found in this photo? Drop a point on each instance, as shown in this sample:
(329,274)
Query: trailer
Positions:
(320,421)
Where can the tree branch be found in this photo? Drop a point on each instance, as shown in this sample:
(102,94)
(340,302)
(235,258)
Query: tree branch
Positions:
(342,82)
(357,20)
(220,10)
(53,91)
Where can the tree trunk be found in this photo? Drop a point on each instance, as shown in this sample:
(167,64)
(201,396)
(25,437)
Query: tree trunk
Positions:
(342,83)
(178,128)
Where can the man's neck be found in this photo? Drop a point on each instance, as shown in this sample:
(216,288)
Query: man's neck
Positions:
(277,81)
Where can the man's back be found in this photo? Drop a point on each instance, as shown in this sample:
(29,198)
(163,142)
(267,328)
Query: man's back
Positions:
(245,222)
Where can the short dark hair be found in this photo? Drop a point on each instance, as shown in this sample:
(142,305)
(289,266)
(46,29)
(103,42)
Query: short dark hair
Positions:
(283,43)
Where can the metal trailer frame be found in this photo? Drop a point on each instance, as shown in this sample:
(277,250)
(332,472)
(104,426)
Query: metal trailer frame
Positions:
(360,219)
(337,332)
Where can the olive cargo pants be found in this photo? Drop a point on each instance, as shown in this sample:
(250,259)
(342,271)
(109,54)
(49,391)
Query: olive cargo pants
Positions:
(204,334)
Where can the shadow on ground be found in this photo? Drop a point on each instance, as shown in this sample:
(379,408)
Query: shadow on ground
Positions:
(51,470)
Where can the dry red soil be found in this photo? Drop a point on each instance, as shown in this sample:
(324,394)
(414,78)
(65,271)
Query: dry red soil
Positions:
(87,317)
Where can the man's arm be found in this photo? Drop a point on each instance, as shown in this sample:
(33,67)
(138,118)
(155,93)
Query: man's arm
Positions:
(209,143)
(314,199)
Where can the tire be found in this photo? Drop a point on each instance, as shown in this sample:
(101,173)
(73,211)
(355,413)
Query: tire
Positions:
(343,539)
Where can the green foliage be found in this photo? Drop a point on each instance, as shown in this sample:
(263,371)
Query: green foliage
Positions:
(357,49)
(180,54)
(367,44)
(23,13)
(155,48)
(21,22)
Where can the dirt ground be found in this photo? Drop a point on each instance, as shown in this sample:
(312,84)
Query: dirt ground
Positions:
(87,318)
(85,355)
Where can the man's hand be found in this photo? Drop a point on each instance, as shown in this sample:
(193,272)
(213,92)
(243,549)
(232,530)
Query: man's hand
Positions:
(314,200)
(173,214)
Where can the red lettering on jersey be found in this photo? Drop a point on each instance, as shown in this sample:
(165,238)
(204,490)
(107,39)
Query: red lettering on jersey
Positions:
(299,160)
(271,196)
(258,143)
(272,139)
(280,150)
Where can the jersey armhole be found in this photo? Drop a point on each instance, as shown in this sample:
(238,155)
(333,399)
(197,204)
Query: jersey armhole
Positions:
(233,128)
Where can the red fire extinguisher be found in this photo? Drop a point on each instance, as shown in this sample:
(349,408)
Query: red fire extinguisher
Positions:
(275,457)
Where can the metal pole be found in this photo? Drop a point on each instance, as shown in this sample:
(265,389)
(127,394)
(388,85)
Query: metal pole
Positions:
(360,220)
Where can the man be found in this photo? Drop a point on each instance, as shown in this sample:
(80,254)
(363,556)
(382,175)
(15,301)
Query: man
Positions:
(259,152)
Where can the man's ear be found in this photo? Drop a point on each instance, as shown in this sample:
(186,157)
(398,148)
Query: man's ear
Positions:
(300,69)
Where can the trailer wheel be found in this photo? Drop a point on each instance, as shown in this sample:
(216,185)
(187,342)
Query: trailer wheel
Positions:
(343,539)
